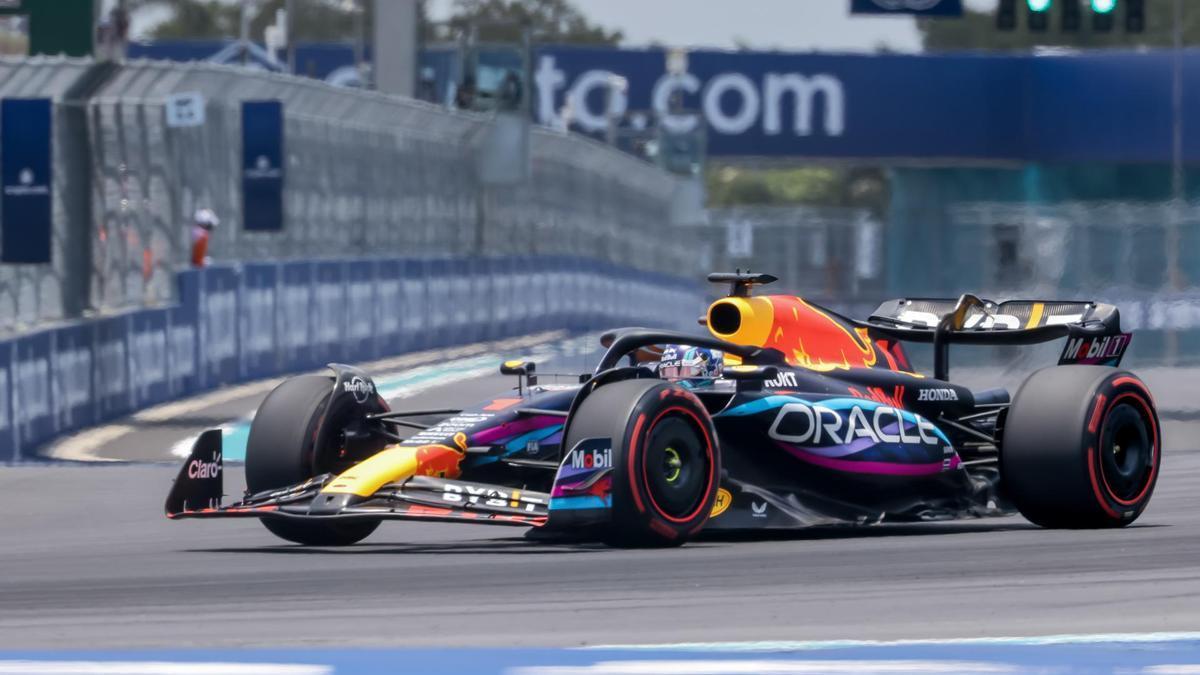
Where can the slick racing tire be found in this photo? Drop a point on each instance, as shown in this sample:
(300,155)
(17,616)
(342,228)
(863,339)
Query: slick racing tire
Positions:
(666,465)
(283,449)
(1081,447)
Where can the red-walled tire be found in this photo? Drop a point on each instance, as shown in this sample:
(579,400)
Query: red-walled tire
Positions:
(666,464)
(1081,448)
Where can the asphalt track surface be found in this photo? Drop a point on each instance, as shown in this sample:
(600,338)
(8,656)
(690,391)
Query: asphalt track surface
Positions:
(88,561)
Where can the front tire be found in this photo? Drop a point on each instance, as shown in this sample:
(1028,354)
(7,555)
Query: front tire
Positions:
(1081,447)
(284,449)
(666,465)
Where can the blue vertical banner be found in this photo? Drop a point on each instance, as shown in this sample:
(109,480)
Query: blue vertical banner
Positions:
(262,165)
(25,170)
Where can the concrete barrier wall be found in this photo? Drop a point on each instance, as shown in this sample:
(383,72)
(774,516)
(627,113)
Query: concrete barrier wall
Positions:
(237,323)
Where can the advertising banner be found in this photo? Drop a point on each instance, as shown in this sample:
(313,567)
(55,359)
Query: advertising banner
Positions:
(358,335)
(148,357)
(112,394)
(27,176)
(920,7)
(184,323)
(256,320)
(502,296)
(262,165)
(416,332)
(292,315)
(389,307)
(328,313)
(32,391)
(437,298)
(951,106)
(238,323)
(8,445)
(218,325)
(459,307)
(71,363)
(1052,107)
(481,297)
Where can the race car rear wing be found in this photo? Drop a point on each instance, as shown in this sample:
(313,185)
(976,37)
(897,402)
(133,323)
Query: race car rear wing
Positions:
(1093,329)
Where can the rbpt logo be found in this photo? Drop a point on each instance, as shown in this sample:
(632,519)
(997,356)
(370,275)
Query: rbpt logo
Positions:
(198,469)
(582,458)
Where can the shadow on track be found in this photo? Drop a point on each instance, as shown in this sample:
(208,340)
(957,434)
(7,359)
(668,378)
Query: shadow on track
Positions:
(712,539)
(507,546)
(832,532)
(828,532)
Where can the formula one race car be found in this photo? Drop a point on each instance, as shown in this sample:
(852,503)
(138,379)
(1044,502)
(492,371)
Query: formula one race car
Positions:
(816,419)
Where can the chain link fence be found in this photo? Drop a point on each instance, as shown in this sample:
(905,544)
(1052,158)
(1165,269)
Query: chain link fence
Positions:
(367,174)
(34,294)
(833,254)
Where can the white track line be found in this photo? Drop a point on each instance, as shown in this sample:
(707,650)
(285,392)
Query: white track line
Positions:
(801,645)
(766,667)
(157,668)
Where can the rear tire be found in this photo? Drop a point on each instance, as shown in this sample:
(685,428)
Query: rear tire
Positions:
(283,449)
(666,465)
(1081,447)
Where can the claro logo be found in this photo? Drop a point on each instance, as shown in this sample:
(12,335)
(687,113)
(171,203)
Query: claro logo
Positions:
(731,102)
(198,469)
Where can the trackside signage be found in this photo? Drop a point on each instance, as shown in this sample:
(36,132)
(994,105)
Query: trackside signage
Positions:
(262,165)
(238,323)
(766,103)
(944,106)
(919,7)
(1010,107)
(25,167)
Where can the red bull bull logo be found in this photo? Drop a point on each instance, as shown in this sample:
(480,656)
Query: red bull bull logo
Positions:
(439,461)
(806,335)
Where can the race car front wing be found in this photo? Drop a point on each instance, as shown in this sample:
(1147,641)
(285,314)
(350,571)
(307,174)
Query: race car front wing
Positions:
(199,490)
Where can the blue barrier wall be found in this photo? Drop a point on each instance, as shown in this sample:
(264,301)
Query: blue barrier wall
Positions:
(258,320)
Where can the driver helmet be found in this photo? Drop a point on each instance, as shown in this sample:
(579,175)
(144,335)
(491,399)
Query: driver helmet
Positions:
(690,365)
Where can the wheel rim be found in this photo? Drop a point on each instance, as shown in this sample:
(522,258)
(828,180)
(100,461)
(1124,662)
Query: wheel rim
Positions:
(677,465)
(331,452)
(672,465)
(1126,453)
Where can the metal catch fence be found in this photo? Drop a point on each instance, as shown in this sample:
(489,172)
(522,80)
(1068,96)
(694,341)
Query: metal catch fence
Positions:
(367,174)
